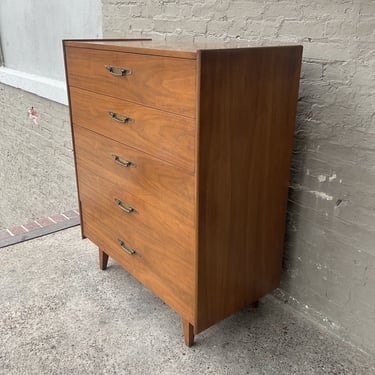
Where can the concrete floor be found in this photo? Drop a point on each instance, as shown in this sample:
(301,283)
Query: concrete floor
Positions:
(61,315)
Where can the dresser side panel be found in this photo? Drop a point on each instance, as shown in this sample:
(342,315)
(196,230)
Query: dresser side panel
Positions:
(247,113)
(196,190)
(67,63)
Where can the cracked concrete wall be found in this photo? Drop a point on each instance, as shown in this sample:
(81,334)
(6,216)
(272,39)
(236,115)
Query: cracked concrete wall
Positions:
(37,177)
(329,263)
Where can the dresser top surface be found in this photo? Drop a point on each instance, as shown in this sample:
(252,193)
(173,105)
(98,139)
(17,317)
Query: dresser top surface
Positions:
(163,48)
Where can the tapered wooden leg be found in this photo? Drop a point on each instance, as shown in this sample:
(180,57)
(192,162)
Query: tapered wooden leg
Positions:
(255,304)
(188,333)
(103,259)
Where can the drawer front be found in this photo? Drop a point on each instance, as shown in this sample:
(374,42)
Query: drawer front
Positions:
(162,224)
(167,136)
(150,179)
(161,82)
(154,264)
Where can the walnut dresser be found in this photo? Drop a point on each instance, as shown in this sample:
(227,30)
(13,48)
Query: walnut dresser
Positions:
(182,158)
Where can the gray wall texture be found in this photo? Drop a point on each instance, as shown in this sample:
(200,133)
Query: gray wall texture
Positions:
(36,160)
(329,263)
(329,267)
(63,20)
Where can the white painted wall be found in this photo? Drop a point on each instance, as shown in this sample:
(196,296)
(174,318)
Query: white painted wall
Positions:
(31,32)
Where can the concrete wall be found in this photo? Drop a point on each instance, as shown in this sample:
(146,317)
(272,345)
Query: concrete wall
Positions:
(329,267)
(37,176)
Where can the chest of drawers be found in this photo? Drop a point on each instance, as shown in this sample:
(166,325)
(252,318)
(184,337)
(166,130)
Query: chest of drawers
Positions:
(182,158)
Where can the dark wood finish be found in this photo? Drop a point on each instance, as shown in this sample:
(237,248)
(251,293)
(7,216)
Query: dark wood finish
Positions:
(255,304)
(246,124)
(161,82)
(103,259)
(188,333)
(164,135)
(212,145)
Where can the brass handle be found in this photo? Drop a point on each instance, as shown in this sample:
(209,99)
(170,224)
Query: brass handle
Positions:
(117,71)
(126,247)
(120,118)
(123,206)
(123,162)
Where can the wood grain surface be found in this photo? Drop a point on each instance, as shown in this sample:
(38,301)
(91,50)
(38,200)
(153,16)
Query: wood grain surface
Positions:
(162,82)
(247,115)
(164,135)
(157,220)
(139,46)
(210,149)
(151,179)
(154,264)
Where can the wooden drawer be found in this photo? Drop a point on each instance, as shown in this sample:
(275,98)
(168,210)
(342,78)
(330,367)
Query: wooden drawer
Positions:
(167,136)
(159,222)
(155,264)
(162,82)
(152,180)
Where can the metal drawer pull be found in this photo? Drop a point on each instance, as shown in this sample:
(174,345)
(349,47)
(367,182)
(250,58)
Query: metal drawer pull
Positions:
(126,247)
(123,162)
(117,71)
(120,118)
(123,206)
